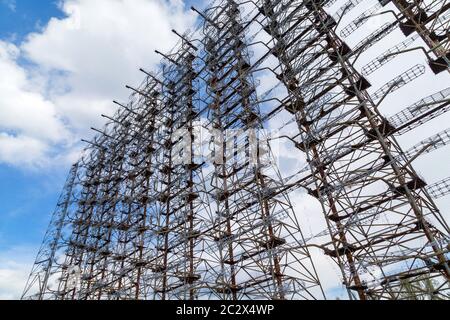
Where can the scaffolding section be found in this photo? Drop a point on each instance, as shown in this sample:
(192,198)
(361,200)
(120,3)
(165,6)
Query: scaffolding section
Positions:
(180,197)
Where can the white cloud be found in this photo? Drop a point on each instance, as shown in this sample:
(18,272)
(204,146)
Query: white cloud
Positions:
(29,123)
(10,4)
(22,150)
(11,281)
(22,109)
(75,67)
(15,265)
(100,47)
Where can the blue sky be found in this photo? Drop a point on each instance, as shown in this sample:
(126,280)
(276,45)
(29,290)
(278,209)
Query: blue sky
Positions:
(26,200)
(26,197)
(20,17)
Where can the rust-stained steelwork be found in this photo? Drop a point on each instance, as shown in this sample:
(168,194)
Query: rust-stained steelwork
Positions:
(145,215)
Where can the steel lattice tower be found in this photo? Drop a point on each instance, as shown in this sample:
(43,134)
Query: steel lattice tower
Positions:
(143,216)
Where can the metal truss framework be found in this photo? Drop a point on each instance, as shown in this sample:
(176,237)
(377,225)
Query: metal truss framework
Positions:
(143,217)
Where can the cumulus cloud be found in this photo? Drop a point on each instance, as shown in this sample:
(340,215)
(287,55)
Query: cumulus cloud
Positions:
(29,123)
(22,150)
(15,265)
(74,67)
